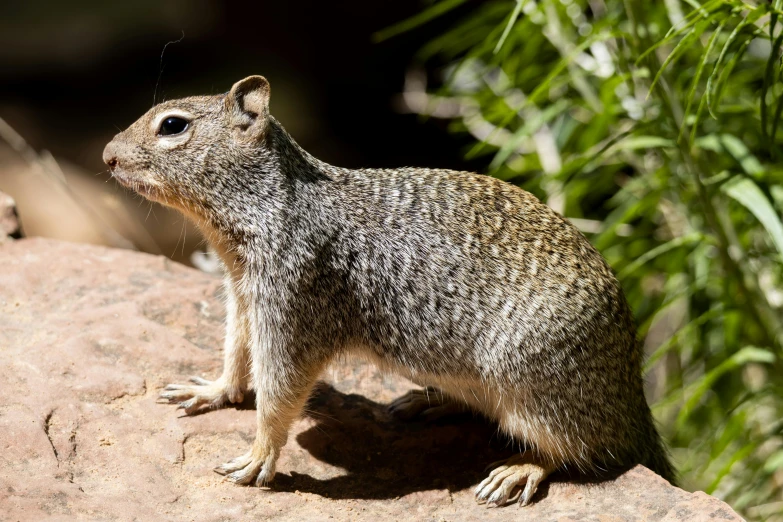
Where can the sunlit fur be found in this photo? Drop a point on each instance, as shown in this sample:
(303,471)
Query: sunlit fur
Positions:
(452,279)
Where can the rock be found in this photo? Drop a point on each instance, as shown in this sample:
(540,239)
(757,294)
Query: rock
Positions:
(88,337)
(91,208)
(9,220)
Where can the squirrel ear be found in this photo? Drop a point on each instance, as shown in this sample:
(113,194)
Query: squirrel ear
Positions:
(248,104)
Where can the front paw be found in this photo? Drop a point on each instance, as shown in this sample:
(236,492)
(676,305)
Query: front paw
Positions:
(253,467)
(201,395)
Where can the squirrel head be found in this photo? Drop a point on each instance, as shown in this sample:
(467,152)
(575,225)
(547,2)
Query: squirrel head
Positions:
(181,152)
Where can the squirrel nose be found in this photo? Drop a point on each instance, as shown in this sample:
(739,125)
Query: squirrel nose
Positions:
(110,157)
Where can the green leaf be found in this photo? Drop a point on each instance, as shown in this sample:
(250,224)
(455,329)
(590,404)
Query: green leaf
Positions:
(526,130)
(699,70)
(546,84)
(776,121)
(746,192)
(564,62)
(726,73)
(738,456)
(768,77)
(582,161)
(692,19)
(511,21)
(734,146)
(777,195)
(439,9)
(642,143)
(657,251)
(732,429)
(774,462)
(750,19)
(682,46)
(672,341)
(696,391)
(617,217)
(698,118)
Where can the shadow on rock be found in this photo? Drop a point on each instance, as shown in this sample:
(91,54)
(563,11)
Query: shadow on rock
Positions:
(385,457)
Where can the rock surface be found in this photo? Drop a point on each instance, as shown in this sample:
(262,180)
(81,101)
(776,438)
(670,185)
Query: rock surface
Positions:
(88,337)
(90,207)
(9,221)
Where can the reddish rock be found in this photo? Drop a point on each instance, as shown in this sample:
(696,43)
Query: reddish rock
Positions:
(89,336)
(9,221)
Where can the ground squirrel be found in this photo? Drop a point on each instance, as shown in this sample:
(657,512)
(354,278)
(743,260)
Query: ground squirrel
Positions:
(455,280)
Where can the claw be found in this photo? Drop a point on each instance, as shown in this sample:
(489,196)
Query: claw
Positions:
(239,477)
(262,479)
(524,500)
(496,489)
(248,469)
(527,494)
(484,489)
(497,498)
(234,464)
(247,474)
(203,394)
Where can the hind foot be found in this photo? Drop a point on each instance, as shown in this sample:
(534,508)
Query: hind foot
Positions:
(520,469)
(257,466)
(427,404)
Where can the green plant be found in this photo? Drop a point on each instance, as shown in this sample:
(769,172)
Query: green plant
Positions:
(654,127)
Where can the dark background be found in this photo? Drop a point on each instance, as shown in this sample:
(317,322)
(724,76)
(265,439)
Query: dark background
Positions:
(73,73)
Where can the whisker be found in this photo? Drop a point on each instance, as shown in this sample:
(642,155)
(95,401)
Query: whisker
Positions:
(160,69)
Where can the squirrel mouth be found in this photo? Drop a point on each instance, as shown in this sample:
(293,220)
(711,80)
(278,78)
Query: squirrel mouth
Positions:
(142,187)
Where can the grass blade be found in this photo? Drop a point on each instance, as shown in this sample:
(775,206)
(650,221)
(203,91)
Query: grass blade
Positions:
(749,19)
(681,47)
(657,251)
(692,19)
(670,343)
(747,193)
(699,70)
(511,21)
(739,455)
(543,87)
(740,152)
(524,132)
(439,9)
(696,391)
(726,73)
(768,78)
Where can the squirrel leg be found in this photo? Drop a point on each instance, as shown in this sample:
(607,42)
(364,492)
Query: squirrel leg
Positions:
(283,378)
(429,404)
(231,385)
(520,469)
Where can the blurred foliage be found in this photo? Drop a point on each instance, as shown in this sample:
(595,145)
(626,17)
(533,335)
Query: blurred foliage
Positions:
(654,126)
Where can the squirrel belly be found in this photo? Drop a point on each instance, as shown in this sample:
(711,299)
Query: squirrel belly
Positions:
(455,280)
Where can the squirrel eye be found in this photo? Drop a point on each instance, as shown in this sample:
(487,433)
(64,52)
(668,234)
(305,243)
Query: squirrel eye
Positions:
(172,125)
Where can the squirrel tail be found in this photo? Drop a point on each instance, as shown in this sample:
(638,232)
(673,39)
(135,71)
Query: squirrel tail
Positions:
(657,458)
